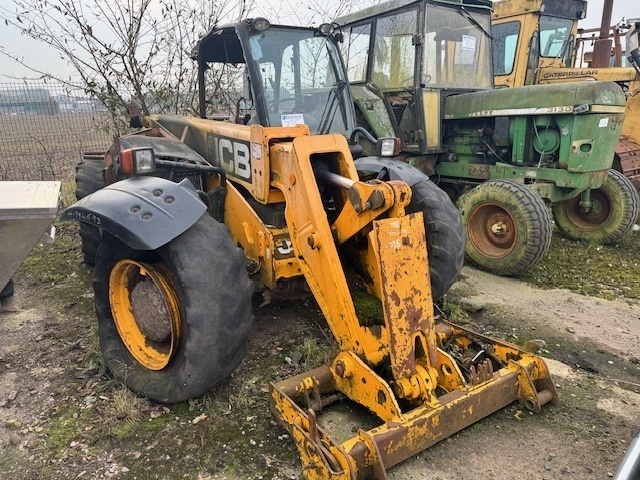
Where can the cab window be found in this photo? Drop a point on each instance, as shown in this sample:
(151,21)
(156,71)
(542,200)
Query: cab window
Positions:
(505,45)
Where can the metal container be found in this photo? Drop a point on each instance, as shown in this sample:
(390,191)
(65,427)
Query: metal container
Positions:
(26,212)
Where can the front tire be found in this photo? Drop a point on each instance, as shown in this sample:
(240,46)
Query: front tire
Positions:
(614,210)
(507,225)
(89,179)
(174,322)
(445,235)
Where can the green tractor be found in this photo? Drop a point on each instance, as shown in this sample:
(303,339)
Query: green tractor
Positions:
(422,71)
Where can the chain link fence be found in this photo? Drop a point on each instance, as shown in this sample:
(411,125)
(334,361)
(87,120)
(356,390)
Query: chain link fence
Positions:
(45,127)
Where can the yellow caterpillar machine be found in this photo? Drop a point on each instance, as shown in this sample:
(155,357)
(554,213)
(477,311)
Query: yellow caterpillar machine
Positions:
(172,290)
(538,42)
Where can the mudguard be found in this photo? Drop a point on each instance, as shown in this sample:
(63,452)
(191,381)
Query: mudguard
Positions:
(397,170)
(143,212)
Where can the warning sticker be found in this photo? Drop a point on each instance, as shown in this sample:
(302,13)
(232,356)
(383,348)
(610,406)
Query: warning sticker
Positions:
(603,122)
(291,119)
(469,43)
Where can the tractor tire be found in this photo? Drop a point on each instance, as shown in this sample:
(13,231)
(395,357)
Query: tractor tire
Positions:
(615,210)
(89,179)
(445,236)
(507,225)
(7,290)
(174,322)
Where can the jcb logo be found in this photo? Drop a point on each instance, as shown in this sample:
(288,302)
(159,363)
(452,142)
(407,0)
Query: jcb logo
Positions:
(233,156)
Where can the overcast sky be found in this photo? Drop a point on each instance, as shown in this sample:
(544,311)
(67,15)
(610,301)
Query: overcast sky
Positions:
(46,59)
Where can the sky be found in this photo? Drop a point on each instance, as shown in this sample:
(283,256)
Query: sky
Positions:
(48,60)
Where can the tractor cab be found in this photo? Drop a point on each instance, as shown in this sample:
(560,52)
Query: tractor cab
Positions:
(402,61)
(255,72)
(530,44)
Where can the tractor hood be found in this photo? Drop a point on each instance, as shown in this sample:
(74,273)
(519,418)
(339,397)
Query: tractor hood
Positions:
(537,100)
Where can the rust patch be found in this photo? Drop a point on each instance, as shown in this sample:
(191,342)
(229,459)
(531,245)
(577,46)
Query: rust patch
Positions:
(395,298)
(513,356)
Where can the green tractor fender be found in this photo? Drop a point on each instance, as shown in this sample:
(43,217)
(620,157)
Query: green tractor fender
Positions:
(145,213)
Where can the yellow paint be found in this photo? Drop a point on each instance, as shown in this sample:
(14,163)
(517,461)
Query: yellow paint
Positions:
(431,112)
(124,277)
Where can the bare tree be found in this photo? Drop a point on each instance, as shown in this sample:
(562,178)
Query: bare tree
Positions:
(309,12)
(122,49)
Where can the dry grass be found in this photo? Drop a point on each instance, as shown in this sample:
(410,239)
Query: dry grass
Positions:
(48,147)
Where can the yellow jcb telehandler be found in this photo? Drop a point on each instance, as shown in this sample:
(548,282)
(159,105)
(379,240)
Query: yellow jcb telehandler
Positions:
(172,291)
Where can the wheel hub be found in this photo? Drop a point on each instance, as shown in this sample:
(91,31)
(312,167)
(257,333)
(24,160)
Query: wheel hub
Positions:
(492,230)
(592,219)
(145,310)
(499,228)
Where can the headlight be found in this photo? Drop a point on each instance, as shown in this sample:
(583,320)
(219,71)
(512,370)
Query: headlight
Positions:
(388,147)
(138,160)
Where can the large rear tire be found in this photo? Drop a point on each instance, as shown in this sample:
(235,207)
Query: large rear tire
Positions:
(507,225)
(174,322)
(445,235)
(89,179)
(614,211)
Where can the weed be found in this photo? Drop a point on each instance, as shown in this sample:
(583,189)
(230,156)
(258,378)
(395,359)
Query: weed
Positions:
(454,311)
(67,194)
(125,405)
(315,354)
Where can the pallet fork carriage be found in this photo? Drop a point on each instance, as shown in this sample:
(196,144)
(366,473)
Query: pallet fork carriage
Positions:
(426,368)
(273,186)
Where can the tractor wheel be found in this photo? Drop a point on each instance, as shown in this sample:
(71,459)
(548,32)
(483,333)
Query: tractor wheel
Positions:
(507,224)
(445,236)
(173,323)
(7,290)
(614,211)
(89,179)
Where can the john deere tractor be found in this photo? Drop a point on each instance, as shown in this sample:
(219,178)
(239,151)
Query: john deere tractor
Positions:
(193,208)
(422,71)
(539,42)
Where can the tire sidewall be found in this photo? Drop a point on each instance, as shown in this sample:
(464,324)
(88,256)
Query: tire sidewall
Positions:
(623,200)
(527,250)
(89,179)
(211,343)
(445,235)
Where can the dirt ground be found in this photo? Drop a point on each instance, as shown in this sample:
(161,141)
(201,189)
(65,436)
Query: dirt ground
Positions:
(61,416)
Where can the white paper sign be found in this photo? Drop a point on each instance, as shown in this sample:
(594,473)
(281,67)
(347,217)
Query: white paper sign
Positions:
(291,119)
(603,122)
(469,43)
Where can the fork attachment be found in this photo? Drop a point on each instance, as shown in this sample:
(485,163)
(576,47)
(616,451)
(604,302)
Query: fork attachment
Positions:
(423,381)
(297,400)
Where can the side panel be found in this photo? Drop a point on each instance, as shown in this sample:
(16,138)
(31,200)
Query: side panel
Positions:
(241,150)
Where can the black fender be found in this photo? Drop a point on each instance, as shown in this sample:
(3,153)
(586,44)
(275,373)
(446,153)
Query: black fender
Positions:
(143,212)
(396,169)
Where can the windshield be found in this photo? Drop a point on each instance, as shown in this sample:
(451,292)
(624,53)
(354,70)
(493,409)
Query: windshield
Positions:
(555,38)
(457,52)
(301,79)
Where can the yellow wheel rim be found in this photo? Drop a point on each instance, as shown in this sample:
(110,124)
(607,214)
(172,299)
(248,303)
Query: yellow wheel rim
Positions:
(145,309)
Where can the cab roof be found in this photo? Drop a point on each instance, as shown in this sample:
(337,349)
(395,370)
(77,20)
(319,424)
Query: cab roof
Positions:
(391,5)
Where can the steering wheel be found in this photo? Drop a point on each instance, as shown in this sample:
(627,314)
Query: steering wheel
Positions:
(274,103)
